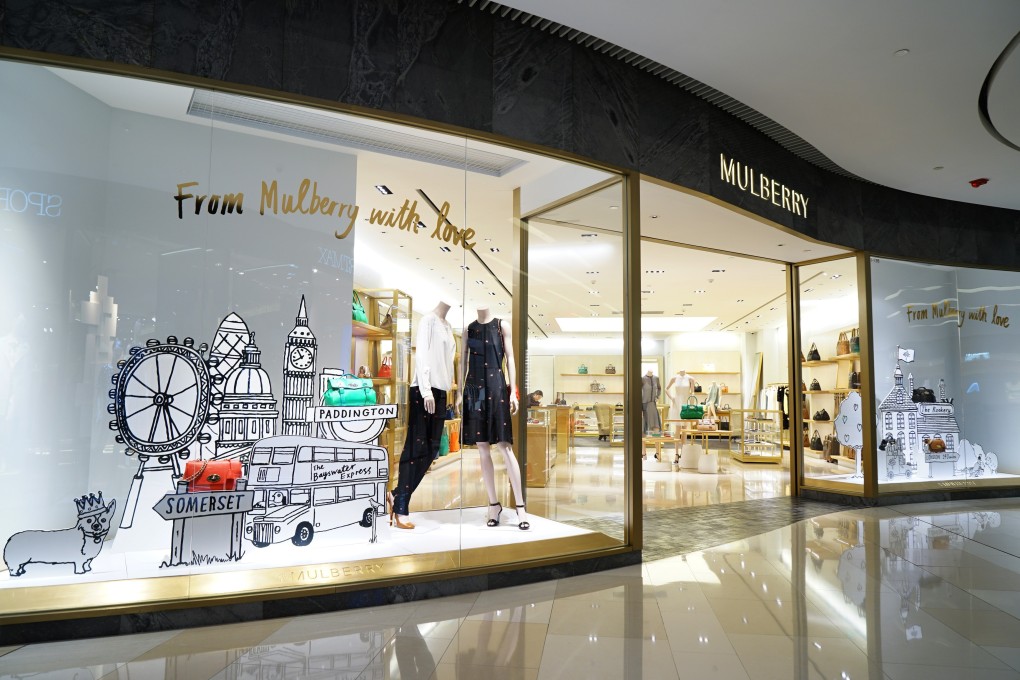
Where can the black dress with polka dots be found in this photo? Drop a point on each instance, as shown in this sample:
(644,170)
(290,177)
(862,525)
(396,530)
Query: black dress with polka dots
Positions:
(486,399)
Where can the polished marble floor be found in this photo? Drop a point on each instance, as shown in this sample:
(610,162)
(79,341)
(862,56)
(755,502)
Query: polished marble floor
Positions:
(927,591)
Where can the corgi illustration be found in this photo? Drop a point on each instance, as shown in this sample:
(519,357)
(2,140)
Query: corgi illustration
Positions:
(78,545)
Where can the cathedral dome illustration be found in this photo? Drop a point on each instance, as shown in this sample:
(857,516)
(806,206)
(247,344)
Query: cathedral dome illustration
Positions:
(248,378)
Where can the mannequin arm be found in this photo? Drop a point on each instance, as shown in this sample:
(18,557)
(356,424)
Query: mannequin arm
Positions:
(511,366)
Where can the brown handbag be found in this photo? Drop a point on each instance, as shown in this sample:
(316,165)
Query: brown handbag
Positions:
(843,343)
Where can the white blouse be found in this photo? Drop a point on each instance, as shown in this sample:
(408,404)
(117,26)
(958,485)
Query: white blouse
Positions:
(433,358)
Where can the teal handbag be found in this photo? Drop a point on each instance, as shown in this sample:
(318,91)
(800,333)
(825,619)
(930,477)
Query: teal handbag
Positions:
(346,390)
(693,411)
(444,443)
(359,309)
(582,370)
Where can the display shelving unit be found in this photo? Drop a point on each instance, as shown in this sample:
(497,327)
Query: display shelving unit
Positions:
(761,436)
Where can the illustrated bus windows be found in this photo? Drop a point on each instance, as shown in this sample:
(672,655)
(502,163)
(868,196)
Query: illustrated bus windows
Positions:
(261,456)
(269,474)
(277,498)
(300,497)
(305,454)
(364,490)
(323,455)
(324,495)
(377,454)
(345,493)
(362,454)
(284,457)
(345,456)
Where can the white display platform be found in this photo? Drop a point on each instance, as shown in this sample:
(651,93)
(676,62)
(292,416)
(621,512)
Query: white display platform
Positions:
(435,531)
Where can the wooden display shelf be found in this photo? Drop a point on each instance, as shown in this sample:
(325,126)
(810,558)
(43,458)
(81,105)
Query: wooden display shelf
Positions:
(775,459)
(364,330)
(593,393)
(585,375)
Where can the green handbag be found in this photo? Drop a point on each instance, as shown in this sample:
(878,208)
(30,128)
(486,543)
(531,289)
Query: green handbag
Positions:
(582,370)
(444,443)
(346,390)
(691,411)
(359,309)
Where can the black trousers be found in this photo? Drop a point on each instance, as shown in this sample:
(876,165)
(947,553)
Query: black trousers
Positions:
(421,446)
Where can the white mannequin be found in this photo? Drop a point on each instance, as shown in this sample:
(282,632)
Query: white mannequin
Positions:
(513,470)
(678,396)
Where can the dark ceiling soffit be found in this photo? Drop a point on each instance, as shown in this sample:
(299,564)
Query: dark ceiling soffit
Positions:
(758,121)
(986,87)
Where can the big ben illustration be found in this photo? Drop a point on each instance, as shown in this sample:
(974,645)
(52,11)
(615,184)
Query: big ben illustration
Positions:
(298,375)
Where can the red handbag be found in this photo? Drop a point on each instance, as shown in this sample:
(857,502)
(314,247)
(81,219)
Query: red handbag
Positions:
(212,475)
(386,368)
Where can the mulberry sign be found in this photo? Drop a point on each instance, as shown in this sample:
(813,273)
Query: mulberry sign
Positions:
(746,178)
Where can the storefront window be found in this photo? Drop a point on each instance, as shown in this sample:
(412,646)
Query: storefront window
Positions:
(271,337)
(830,399)
(946,366)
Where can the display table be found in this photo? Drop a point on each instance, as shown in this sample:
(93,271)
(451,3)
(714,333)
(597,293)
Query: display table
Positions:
(657,442)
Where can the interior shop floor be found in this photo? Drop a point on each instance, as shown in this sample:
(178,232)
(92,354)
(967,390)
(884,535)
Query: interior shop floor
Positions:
(927,591)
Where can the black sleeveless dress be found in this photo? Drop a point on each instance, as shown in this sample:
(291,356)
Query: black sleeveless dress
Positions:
(486,399)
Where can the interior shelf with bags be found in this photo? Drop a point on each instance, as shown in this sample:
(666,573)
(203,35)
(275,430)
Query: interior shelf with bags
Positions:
(381,350)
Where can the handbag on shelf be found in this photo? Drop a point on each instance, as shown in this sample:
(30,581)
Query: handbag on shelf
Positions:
(723,389)
(386,367)
(212,475)
(923,395)
(822,415)
(692,410)
(610,370)
(843,343)
(358,309)
(363,372)
(582,370)
(816,441)
(831,448)
(813,354)
(388,321)
(855,341)
(816,386)
(596,386)
(724,425)
(346,390)
(697,386)
(855,380)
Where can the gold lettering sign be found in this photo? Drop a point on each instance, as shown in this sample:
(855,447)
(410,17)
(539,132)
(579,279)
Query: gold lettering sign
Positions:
(308,201)
(947,309)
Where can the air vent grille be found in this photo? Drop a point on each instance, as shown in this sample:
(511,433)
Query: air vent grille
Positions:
(343,131)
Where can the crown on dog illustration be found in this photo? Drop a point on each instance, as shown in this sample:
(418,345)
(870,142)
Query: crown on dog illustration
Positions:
(90,504)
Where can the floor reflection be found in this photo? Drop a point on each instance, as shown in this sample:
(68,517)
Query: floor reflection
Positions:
(927,591)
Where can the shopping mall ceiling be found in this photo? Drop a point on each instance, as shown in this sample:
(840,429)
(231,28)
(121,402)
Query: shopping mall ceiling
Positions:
(889,91)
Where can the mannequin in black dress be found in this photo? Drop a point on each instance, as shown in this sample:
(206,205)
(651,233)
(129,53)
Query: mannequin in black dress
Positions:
(487,403)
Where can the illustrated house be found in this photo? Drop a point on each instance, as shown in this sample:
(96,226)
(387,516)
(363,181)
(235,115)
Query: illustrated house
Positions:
(939,420)
(897,415)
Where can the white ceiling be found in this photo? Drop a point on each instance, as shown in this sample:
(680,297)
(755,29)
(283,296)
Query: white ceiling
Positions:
(571,275)
(828,71)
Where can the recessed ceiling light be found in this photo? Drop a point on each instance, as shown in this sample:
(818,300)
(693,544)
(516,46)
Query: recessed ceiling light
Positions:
(421,225)
(655,271)
(647,292)
(780,245)
(480,282)
(939,167)
(488,240)
(492,293)
(465,267)
(739,300)
(445,249)
(835,276)
(588,235)
(383,189)
(614,207)
(654,217)
(699,292)
(592,273)
(718,271)
(502,304)
(493,250)
(594,304)
(541,314)
(902,53)
(534,306)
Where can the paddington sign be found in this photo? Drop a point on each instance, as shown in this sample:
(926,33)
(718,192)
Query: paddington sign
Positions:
(759,185)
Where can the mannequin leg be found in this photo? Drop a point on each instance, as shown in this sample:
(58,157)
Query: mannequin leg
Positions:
(489,477)
(513,471)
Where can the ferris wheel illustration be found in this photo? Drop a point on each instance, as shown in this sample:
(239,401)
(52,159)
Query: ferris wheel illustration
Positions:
(162,399)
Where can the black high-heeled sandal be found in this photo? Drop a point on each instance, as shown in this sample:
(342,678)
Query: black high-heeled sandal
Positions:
(525,525)
(494,521)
